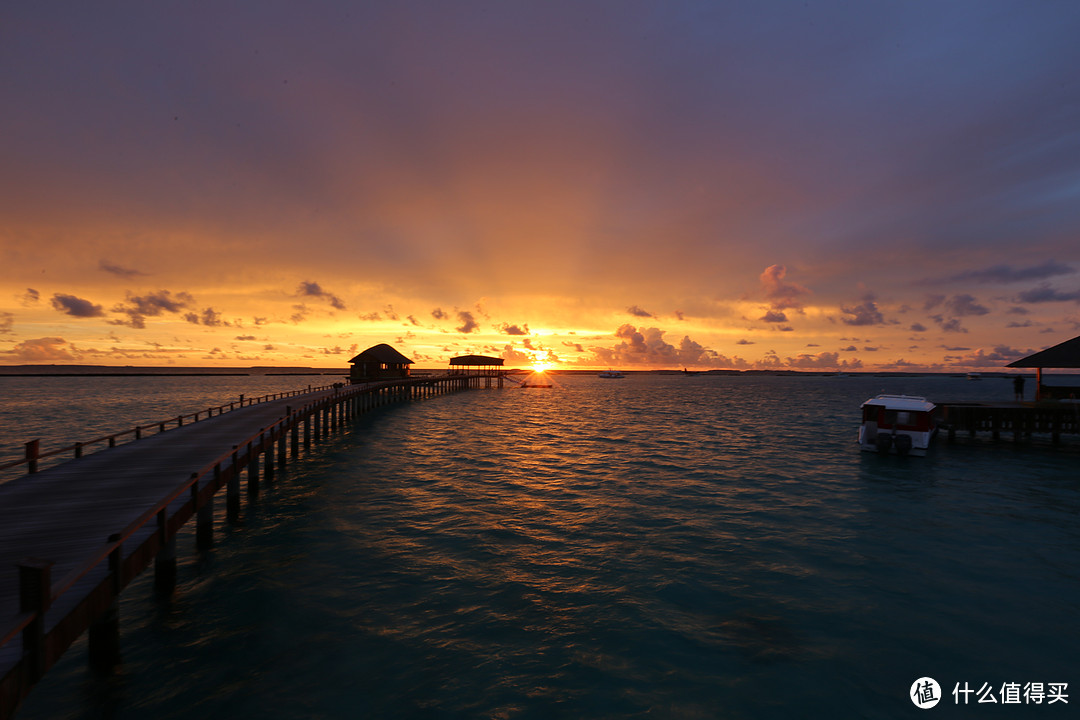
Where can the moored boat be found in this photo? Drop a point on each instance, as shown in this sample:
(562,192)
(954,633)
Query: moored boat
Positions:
(611,374)
(903,424)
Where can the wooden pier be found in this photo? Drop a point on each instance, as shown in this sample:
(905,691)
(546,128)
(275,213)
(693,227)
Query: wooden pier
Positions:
(1021,420)
(74,535)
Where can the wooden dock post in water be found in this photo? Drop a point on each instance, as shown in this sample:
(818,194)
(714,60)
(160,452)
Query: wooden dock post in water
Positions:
(35,594)
(104,635)
(232,492)
(253,469)
(204,522)
(165,560)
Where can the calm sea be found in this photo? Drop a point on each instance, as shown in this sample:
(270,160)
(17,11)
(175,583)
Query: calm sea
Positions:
(659,546)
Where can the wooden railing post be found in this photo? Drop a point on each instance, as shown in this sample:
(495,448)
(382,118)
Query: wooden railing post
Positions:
(204,514)
(266,442)
(165,560)
(253,467)
(232,492)
(35,594)
(33,450)
(104,636)
(307,427)
(282,445)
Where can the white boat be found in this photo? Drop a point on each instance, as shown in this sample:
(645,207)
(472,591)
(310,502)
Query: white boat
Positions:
(611,374)
(903,424)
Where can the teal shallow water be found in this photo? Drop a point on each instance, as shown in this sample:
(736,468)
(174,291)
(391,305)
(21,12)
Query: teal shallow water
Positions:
(652,547)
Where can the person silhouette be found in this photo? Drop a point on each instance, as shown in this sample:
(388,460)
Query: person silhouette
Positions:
(1018,386)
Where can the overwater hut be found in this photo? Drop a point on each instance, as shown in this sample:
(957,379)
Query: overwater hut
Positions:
(476,365)
(1064,355)
(379,362)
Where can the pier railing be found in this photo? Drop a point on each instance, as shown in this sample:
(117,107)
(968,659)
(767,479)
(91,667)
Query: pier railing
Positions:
(34,454)
(87,596)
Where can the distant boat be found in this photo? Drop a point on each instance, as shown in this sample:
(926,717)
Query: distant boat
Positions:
(974,376)
(611,374)
(691,372)
(897,423)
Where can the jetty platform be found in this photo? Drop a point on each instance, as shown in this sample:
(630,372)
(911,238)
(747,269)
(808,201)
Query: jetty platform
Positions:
(1019,419)
(73,535)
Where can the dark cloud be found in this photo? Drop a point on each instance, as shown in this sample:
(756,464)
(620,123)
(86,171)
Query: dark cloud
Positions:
(468,322)
(964,306)
(781,294)
(932,301)
(949,324)
(30,297)
(123,272)
(244,338)
(865,313)
(1005,274)
(439,314)
(774,316)
(209,317)
(1044,293)
(7,321)
(313,289)
(139,307)
(638,312)
(917,327)
(514,329)
(76,307)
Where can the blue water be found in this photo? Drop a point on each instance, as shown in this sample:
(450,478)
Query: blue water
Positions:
(659,546)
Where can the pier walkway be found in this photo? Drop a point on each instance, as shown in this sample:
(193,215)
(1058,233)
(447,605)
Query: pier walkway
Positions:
(1020,419)
(72,536)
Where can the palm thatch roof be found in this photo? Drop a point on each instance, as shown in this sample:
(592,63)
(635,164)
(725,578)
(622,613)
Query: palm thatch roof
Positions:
(476,360)
(1062,355)
(382,353)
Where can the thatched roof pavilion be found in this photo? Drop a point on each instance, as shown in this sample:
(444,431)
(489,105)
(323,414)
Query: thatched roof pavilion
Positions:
(379,362)
(1064,355)
(478,364)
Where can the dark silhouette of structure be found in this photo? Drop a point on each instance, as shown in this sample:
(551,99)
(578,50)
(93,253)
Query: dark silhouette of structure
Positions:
(379,362)
(1064,355)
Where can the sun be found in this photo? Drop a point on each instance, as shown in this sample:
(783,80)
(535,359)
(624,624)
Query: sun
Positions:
(541,367)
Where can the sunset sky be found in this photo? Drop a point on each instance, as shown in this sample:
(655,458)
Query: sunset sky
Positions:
(809,185)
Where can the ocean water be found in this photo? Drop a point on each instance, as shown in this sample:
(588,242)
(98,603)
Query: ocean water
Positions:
(659,546)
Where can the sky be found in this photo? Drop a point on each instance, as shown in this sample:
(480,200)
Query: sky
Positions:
(752,185)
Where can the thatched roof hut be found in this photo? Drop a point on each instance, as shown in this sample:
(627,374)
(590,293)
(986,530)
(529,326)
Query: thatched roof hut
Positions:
(379,362)
(476,364)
